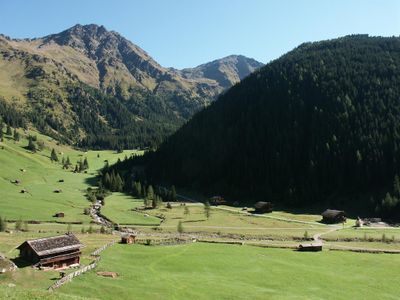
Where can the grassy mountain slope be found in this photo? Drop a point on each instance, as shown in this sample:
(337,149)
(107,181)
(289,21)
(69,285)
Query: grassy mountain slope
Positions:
(90,86)
(40,179)
(318,125)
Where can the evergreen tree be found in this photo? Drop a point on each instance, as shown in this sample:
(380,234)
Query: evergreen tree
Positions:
(53,155)
(16,135)
(18,225)
(207,209)
(31,145)
(3,224)
(68,162)
(186,211)
(26,226)
(173,193)
(396,186)
(180,227)
(150,192)
(8,130)
(1,133)
(119,184)
(85,164)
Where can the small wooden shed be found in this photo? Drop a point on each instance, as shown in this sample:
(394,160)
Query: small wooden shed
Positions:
(333,216)
(129,238)
(59,215)
(313,247)
(217,200)
(262,207)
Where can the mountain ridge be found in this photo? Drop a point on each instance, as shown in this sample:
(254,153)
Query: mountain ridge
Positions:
(35,72)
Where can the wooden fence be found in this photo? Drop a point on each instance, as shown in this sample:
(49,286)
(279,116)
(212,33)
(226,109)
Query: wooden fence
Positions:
(82,270)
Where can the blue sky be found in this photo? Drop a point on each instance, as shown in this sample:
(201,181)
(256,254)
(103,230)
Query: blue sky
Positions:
(185,33)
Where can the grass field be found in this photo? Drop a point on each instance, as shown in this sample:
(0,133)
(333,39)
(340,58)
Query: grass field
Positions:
(119,207)
(40,180)
(203,271)
(229,222)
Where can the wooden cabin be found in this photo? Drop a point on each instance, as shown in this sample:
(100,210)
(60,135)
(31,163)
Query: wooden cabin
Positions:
(59,215)
(310,247)
(217,200)
(56,252)
(332,216)
(128,238)
(263,207)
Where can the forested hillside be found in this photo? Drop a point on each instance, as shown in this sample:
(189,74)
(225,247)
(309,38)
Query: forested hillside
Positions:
(91,87)
(318,125)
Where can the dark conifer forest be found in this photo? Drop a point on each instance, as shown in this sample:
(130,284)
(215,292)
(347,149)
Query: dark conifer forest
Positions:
(318,125)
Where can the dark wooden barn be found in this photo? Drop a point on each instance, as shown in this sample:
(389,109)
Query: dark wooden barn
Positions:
(332,216)
(263,207)
(217,200)
(56,252)
(310,247)
(128,238)
(59,215)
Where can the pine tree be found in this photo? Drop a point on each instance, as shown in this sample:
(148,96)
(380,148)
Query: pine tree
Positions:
(53,155)
(1,133)
(8,130)
(396,186)
(85,164)
(31,145)
(207,209)
(180,227)
(173,193)
(16,135)
(26,227)
(3,224)
(186,211)
(150,192)
(18,225)
(68,162)
(119,184)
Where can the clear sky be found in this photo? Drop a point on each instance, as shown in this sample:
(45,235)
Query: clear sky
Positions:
(185,33)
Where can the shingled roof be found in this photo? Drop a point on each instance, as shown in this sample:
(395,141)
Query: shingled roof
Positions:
(53,244)
(332,213)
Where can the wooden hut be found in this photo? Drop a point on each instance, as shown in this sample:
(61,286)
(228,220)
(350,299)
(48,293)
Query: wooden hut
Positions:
(59,215)
(56,252)
(263,207)
(217,200)
(128,238)
(313,247)
(332,216)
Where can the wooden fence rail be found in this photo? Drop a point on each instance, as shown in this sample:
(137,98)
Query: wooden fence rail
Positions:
(82,270)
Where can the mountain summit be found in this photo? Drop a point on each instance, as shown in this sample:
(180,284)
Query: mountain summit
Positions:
(63,76)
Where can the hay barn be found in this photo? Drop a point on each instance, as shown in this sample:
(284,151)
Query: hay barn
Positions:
(56,252)
(310,247)
(263,207)
(217,200)
(332,216)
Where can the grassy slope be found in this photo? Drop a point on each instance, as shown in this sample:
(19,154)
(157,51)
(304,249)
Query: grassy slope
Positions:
(41,179)
(119,207)
(202,271)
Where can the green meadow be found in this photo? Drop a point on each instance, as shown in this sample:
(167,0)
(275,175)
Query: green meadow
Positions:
(205,271)
(39,178)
